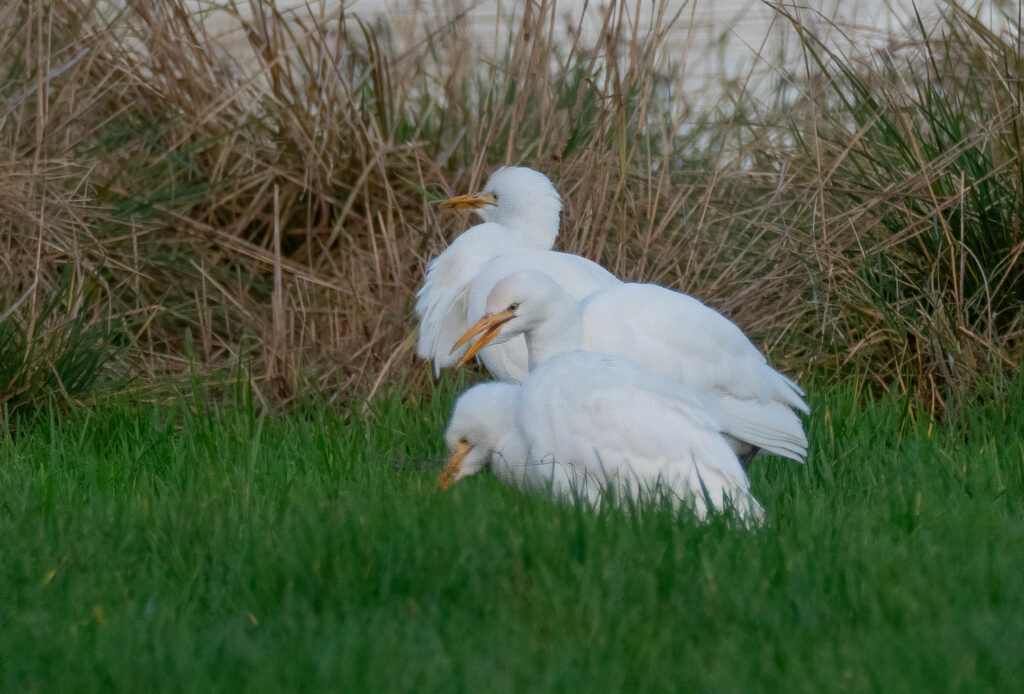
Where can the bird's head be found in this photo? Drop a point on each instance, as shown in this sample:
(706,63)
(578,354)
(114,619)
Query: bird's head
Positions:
(515,305)
(483,416)
(517,198)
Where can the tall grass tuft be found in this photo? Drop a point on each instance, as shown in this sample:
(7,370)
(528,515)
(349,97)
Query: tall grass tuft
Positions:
(268,198)
(916,156)
(53,352)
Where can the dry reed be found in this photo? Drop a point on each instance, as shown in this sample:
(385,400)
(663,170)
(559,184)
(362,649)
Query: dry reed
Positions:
(273,205)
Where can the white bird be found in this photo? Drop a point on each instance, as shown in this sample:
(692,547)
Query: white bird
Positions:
(520,209)
(665,332)
(584,422)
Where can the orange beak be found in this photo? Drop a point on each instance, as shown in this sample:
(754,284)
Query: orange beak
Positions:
(447,475)
(490,326)
(473,201)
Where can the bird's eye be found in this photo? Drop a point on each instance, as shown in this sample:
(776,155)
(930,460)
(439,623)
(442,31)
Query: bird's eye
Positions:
(464,440)
(512,308)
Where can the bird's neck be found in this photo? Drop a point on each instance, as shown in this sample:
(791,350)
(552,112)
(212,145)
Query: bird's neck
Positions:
(561,331)
(534,227)
(538,231)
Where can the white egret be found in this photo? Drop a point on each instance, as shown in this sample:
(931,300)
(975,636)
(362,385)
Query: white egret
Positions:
(665,332)
(520,209)
(584,422)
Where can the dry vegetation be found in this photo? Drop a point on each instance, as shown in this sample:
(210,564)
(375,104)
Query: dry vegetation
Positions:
(166,203)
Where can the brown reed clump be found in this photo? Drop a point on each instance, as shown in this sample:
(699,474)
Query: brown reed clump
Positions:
(176,202)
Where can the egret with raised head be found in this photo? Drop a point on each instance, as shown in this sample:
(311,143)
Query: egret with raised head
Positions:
(520,210)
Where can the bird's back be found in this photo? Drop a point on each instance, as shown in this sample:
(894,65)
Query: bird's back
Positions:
(676,335)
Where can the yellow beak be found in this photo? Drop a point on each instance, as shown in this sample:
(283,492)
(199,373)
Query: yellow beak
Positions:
(489,325)
(447,475)
(473,201)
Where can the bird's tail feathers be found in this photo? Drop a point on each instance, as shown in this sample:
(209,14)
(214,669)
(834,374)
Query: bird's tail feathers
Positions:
(790,393)
(771,426)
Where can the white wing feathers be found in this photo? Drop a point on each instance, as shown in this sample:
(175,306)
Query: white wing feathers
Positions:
(625,429)
(443,302)
(676,335)
(796,389)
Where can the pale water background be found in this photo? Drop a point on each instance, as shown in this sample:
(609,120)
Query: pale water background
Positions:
(715,40)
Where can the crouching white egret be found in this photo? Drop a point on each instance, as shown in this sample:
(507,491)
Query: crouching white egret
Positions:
(584,422)
(520,209)
(663,331)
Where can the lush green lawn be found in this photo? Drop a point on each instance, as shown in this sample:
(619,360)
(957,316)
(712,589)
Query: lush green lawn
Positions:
(158,548)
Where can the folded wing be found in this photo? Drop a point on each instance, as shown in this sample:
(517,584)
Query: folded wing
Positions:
(619,426)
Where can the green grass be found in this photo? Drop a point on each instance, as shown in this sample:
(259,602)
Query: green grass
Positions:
(187,548)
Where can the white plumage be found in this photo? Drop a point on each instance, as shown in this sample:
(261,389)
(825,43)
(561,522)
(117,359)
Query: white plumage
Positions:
(583,422)
(520,209)
(665,332)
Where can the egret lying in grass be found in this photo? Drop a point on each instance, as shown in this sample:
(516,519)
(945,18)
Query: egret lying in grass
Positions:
(520,209)
(665,332)
(584,422)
